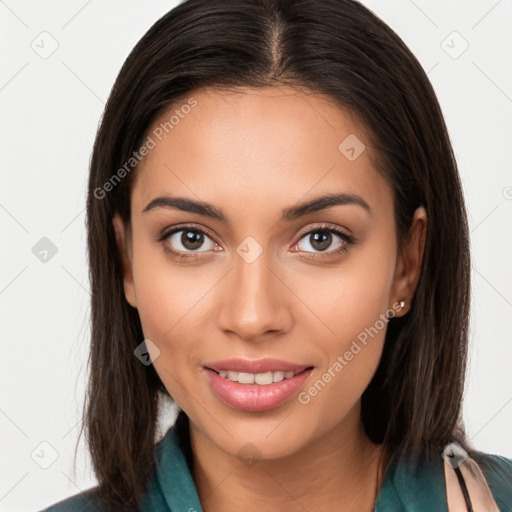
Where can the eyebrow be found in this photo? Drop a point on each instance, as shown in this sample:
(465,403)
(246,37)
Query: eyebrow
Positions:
(288,214)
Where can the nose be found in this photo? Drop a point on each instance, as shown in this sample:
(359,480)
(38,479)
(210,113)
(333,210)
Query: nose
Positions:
(254,302)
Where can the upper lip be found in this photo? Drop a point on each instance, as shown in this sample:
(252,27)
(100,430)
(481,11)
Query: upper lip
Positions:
(256,366)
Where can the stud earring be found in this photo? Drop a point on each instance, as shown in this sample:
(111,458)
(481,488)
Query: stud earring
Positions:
(402,304)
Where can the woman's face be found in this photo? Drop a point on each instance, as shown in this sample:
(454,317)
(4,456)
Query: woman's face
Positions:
(249,282)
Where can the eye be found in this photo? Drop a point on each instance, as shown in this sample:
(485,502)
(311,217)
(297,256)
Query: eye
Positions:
(322,238)
(185,240)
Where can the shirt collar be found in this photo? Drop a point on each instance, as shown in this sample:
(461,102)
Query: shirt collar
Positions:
(176,482)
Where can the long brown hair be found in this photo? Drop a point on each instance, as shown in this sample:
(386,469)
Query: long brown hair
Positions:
(336,48)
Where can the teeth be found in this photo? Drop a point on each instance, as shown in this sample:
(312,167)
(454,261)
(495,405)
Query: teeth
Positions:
(263,379)
(278,376)
(246,378)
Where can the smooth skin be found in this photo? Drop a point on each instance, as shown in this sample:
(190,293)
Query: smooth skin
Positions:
(252,153)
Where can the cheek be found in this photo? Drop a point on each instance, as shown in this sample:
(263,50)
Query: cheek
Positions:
(349,325)
(166,292)
(173,304)
(341,301)
(163,299)
(166,309)
(349,352)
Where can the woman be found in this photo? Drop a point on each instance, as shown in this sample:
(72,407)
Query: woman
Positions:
(278,244)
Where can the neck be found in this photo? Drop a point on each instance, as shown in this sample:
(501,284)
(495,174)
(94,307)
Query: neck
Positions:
(342,466)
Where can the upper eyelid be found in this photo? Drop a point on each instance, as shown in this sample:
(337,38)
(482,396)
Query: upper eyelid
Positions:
(325,227)
(176,229)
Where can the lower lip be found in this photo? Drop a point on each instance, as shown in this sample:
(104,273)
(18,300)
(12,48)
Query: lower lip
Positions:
(255,397)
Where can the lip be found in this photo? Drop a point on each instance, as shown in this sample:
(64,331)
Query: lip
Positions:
(256,366)
(256,397)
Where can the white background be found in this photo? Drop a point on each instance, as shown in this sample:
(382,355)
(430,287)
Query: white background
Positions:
(50,110)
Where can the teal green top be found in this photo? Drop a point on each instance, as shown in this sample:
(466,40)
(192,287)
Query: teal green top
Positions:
(408,486)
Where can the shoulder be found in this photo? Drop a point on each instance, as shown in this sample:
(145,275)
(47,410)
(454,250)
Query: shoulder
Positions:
(85,501)
(498,474)
(412,484)
(495,466)
(169,485)
(416,485)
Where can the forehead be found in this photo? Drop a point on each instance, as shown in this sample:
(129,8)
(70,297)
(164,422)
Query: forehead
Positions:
(258,147)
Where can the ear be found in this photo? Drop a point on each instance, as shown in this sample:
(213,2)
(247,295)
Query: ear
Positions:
(409,261)
(124,247)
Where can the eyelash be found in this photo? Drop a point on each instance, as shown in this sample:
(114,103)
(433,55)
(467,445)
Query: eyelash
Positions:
(347,240)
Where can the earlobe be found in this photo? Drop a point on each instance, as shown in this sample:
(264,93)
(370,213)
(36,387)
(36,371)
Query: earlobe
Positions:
(410,260)
(123,243)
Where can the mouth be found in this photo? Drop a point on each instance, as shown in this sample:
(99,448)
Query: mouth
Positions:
(256,392)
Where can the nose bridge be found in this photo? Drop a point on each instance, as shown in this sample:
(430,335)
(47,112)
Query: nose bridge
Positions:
(253,303)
